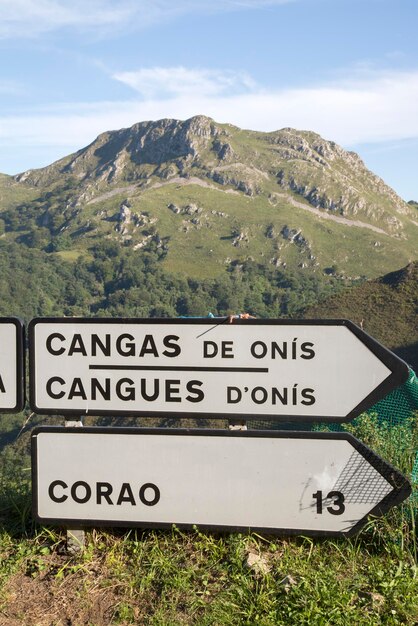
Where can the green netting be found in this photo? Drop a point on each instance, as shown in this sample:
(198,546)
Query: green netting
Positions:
(401,404)
(414,475)
(398,408)
(395,416)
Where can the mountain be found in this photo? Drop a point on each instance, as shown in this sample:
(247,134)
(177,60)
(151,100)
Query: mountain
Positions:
(208,197)
(386,308)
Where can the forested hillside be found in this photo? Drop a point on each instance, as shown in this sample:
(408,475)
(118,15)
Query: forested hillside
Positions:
(115,281)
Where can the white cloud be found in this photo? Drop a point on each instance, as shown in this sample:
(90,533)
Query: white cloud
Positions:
(371,106)
(379,109)
(162,82)
(30,18)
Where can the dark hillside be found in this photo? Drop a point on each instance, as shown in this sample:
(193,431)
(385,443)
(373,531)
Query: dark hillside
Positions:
(386,308)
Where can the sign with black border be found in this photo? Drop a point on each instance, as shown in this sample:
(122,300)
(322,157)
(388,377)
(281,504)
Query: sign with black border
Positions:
(327,370)
(12,365)
(287,483)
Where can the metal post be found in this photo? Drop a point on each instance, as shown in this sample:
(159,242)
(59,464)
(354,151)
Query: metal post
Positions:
(76,538)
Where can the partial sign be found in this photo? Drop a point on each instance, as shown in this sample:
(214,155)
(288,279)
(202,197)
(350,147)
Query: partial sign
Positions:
(280,482)
(207,368)
(12,394)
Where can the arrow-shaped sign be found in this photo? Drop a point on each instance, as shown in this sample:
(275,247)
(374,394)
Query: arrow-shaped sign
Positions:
(12,384)
(271,369)
(310,483)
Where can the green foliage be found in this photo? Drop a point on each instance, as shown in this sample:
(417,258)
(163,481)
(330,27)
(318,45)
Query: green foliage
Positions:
(36,284)
(118,282)
(60,242)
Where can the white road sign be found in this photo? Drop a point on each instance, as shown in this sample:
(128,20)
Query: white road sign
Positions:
(208,368)
(11,365)
(283,482)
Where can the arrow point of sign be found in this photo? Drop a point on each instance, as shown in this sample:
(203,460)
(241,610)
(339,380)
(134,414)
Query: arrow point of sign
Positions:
(385,362)
(375,481)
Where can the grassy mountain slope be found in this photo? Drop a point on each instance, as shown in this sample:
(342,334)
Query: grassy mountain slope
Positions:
(211,196)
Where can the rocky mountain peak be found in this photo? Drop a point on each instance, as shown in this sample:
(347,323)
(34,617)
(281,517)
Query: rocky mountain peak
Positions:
(149,142)
(287,161)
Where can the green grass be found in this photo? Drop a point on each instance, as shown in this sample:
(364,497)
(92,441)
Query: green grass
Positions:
(206,249)
(176,577)
(72,255)
(196,578)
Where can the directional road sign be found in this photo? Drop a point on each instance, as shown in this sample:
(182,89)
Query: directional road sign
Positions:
(274,481)
(12,394)
(273,369)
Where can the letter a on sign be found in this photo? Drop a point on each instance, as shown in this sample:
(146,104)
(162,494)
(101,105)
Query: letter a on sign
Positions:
(12,394)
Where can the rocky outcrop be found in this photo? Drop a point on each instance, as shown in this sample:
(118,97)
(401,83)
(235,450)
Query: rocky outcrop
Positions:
(223,150)
(108,156)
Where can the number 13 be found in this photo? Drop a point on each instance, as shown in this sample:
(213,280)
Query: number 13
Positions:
(336,508)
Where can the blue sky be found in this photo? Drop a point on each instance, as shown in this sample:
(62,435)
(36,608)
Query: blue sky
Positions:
(347,69)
